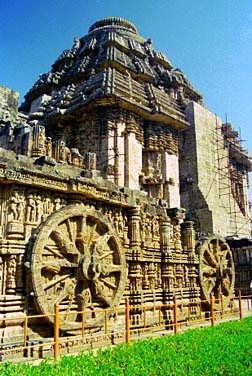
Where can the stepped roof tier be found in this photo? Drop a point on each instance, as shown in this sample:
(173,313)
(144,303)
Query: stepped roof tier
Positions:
(112,65)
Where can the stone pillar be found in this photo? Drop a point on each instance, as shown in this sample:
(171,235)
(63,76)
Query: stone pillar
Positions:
(134,231)
(165,235)
(133,155)
(188,237)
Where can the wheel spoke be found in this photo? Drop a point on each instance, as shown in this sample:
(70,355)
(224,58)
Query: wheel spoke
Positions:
(65,245)
(90,236)
(70,303)
(106,254)
(56,281)
(210,286)
(208,271)
(101,293)
(209,257)
(110,268)
(56,253)
(108,283)
(69,229)
(57,265)
(58,298)
(103,239)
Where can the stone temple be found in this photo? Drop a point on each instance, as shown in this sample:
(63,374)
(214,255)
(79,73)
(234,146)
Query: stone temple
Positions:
(117,181)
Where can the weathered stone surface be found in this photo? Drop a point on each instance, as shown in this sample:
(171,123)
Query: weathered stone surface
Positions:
(8,104)
(214,175)
(93,170)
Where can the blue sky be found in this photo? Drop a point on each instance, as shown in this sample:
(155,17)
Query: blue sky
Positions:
(210,40)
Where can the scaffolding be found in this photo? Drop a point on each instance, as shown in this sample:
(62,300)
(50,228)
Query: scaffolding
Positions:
(232,163)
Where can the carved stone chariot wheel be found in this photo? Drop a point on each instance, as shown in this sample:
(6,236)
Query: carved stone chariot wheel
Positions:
(216,271)
(77,262)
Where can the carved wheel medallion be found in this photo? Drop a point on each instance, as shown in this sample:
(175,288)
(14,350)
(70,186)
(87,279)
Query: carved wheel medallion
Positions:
(216,271)
(77,262)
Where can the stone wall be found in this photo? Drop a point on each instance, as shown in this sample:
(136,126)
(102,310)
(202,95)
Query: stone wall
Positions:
(205,178)
(242,254)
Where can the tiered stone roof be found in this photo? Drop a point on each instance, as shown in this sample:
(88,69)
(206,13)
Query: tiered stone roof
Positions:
(113,64)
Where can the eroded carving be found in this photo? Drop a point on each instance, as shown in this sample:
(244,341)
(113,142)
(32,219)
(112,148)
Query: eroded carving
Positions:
(78,262)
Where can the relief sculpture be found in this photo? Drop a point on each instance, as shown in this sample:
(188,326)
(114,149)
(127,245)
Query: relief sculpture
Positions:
(93,170)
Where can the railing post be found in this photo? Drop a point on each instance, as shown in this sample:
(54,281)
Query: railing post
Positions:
(144,313)
(159,316)
(189,312)
(56,331)
(127,321)
(106,321)
(231,304)
(82,323)
(222,307)
(240,304)
(25,335)
(212,309)
(175,315)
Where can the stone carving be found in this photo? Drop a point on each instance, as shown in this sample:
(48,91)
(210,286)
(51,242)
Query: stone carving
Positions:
(88,205)
(146,284)
(77,262)
(136,277)
(193,275)
(39,141)
(168,277)
(16,207)
(216,269)
(11,277)
(165,235)
(152,276)
(31,209)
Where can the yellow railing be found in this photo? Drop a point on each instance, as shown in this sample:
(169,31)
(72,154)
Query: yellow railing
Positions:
(151,319)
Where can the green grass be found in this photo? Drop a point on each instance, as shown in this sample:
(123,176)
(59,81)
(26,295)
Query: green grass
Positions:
(222,350)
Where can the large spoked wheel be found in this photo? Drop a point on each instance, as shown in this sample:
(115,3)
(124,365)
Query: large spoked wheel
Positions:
(216,271)
(77,262)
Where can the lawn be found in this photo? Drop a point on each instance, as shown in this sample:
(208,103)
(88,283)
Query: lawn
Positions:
(225,349)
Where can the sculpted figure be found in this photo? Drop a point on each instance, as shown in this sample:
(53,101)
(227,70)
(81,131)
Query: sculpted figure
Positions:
(20,209)
(16,207)
(155,228)
(47,209)
(39,208)
(57,203)
(13,206)
(30,209)
(120,224)
(76,43)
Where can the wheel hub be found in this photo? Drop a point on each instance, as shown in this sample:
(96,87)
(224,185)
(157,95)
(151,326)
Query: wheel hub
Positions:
(91,268)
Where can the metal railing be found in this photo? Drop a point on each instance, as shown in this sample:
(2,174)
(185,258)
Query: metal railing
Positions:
(152,320)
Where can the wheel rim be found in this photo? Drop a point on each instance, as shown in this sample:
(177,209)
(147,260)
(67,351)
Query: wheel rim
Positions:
(216,270)
(77,262)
